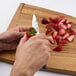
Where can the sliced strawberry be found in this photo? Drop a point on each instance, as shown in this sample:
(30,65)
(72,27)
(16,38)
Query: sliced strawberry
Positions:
(62,31)
(62,21)
(69,26)
(63,26)
(49,31)
(55,34)
(51,19)
(51,40)
(66,21)
(57,27)
(50,25)
(45,21)
(58,39)
(72,32)
(58,19)
(58,48)
(65,36)
(63,42)
(70,23)
(71,38)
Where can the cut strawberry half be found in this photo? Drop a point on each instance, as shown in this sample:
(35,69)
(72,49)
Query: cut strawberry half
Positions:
(66,21)
(63,42)
(58,39)
(70,23)
(58,48)
(50,25)
(71,38)
(62,31)
(58,19)
(51,19)
(51,40)
(69,26)
(63,26)
(45,21)
(55,34)
(65,36)
(57,27)
(49,31)
(72,32)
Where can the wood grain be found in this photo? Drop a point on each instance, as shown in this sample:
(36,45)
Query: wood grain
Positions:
(62,62)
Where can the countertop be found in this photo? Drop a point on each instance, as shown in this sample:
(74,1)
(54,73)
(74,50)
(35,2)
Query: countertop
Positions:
(7,11)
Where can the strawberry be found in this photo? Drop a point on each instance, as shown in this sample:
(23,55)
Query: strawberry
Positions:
(65,36)
(72,32)
(70,23)
(66,21)
(58,39)
(62,21)
(51,40)
(28,35)
(45,21)
(51,19)
(70,38)
(50,25)
(49,31)
(55,34)
(57,27)
(69,26)
(63,42)
(58,48)
(58,19)
(63,26)
(62,31)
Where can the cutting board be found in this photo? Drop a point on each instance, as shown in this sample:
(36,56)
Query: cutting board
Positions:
(62,62)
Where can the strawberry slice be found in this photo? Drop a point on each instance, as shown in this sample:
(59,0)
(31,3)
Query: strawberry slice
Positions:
(55,34)
(50,25)
(58,39)
(58,48)
(63,26)
(72,32)
(51,40)
(69,26)
(62,31)
(51,19)
(66,21)
(45,21)
(49,31)
(65,36)
(57,27)
(63,42)
(71,38)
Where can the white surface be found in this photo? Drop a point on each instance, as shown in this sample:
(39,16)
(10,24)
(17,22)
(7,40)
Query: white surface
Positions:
(7,10)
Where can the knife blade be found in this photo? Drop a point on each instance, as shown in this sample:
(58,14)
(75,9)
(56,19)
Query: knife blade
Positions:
(35,24)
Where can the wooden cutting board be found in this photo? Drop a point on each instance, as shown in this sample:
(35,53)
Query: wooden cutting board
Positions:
(62,62)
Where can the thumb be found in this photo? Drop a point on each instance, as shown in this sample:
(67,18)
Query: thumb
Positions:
(23,40)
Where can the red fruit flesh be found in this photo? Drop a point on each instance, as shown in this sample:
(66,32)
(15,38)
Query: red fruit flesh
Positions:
(55,34)
(51,19)
(62,32)
(51,40)
(65,36)
(63,42)
(45,21)
(58,48)
(71,38)
(58,39)
(72,32)
(69,26)
(50,25)
(63,26)
(49,31)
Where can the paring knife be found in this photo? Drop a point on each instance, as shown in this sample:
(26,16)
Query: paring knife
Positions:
(36,27)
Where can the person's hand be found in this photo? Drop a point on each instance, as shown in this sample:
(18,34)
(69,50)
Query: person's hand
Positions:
(31,56)
(10,39)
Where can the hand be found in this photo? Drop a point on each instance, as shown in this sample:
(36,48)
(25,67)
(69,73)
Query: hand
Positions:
(31,56)
(10,39)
